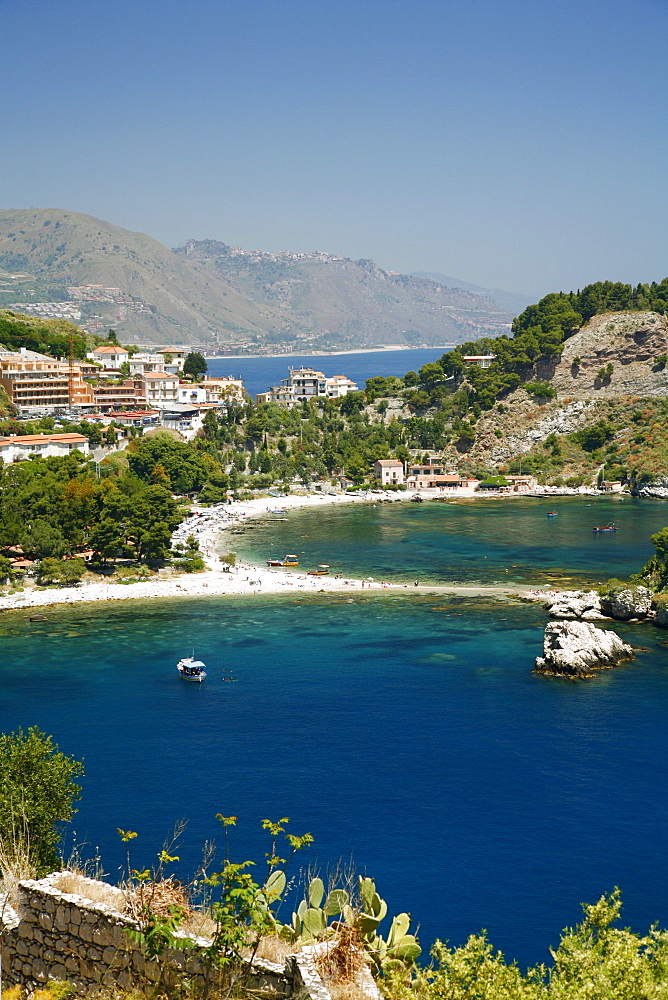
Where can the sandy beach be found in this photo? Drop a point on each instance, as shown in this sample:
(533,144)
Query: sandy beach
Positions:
(209,524)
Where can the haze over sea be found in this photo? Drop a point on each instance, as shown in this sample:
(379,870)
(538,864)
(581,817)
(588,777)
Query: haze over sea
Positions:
(261,373)
(405,731)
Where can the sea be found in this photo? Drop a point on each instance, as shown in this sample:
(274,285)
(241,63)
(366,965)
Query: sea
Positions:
(259,374)
(404,730)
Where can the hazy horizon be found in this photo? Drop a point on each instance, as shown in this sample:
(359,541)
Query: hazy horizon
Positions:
(514,146)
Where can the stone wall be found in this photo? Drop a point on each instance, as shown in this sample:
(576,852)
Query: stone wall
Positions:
(52,934)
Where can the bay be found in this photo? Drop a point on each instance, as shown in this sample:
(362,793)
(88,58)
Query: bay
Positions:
(403,730)
(259,374)
(481,540)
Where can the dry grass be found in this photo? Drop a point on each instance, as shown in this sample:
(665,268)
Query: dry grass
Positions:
(158,897)
(97,892)
(344,958)
(349,990)
(15,865)
(275,949)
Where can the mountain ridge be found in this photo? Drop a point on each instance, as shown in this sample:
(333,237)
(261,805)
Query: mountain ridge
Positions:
(211,293)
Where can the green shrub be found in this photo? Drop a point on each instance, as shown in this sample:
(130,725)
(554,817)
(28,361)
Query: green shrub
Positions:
(542,391)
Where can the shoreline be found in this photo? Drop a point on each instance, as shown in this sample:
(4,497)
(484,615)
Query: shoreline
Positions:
(331,354)
(210,526)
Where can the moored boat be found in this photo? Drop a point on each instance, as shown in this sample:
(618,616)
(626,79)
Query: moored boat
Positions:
(551,513)
(191,669)
(605,527)
(289,560)
(322,570)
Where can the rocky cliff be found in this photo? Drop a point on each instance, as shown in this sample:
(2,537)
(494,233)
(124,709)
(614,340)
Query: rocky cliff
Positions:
(633,343)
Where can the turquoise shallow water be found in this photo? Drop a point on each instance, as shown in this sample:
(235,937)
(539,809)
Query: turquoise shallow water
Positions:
(407,731)
(477,541)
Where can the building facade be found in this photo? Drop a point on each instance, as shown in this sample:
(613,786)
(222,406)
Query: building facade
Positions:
(390,471)
(19,447)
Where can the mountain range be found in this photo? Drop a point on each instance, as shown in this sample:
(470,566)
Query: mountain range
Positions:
(56,262)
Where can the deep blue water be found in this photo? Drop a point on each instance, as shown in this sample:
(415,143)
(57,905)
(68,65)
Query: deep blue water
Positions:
(261,373)
(405,731)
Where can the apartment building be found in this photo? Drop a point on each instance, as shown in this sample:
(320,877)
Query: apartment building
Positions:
(304,384)
(140,363)
(160,387)
(213,390)
(173,358)
(110,397)
(390,471)
(42,385)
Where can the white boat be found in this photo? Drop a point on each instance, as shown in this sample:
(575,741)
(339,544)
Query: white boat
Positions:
(191,669)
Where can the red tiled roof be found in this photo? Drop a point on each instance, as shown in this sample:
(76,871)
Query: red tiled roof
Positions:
(41,438)
(110,350)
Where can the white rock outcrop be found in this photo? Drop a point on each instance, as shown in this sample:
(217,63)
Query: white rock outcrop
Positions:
(575,649)
(658,489)
(630,602)
(575,604)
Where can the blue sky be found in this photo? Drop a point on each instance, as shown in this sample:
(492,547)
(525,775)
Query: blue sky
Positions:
(520,145)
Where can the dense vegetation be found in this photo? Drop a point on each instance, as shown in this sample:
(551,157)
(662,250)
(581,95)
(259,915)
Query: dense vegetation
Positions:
(54,507)
(39,790)
(48,336)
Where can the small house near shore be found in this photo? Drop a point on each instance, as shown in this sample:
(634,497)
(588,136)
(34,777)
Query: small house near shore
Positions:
(390,471)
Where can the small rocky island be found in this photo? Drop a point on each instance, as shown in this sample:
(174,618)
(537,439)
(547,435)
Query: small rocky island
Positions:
(575,649)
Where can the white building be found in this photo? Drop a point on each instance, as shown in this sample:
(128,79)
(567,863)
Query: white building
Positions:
(483,360)
(338,386)
(174,358)
(18,447)
(109,356)
(304,384)
(140,363)
(213,390)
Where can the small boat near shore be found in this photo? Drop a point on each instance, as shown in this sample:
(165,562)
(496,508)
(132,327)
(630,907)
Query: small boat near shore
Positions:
(322,570)
(551,513)
(605,527)
(289,560)
(191,669)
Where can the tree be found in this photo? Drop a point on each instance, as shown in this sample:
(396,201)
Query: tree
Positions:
(6,572)
(41,539)
(107,538)
(195,365)
(210,425)
(72,570)
(183,466)
(38,787)
(48,570)
(153,516)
